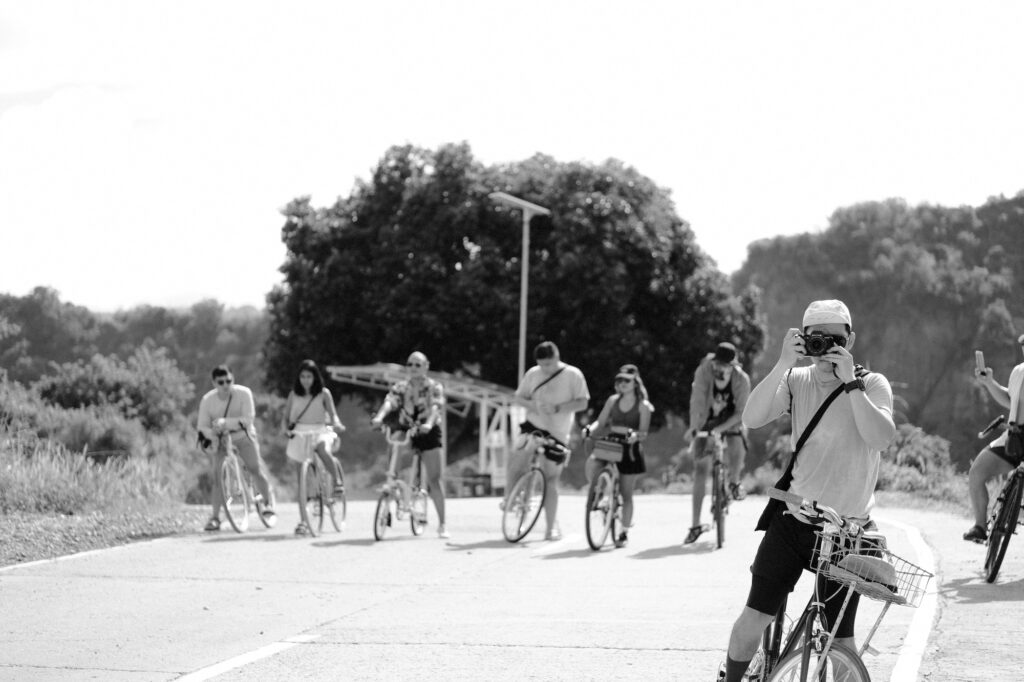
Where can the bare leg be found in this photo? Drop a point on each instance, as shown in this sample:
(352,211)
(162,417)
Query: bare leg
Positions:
(552,473)
(432,464)
(700,476)
(986,466)
(626,483)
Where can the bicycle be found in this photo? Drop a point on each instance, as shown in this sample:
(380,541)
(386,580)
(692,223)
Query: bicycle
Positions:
(604,496)
(317,494)
(861,562)
(238,494)
(720,497)
(397,497)
(1005,515)
(526,498)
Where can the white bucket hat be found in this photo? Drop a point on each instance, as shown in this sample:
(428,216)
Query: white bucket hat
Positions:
(827,312)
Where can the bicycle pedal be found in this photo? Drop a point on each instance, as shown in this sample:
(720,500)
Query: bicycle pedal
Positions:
(871,650)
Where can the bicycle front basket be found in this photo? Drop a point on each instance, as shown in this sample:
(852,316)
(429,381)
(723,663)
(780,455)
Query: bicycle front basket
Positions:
(607,450)
(874,572)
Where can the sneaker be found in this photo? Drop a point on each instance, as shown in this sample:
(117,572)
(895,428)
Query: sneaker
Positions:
(695,532)
(442,532)
(554,533)
(302,529)
(976,534)
(212,524)
(622,540)
(269,513)
(737,491)
(339,490)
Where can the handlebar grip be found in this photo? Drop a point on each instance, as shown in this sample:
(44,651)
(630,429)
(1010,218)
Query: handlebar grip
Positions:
(992,425)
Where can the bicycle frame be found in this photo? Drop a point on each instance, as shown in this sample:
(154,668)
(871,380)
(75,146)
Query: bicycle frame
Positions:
(719,475)
(394,484)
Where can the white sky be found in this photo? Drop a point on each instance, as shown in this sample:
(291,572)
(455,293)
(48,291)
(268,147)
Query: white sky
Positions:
(146,148)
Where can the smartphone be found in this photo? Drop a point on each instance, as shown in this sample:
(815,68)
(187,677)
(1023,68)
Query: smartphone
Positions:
(979,361)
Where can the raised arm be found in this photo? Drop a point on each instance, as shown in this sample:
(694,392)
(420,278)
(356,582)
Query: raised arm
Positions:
(766,403)
(330,411)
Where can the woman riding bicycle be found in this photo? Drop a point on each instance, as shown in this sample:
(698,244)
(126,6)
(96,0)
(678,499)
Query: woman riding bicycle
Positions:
(627,414)
(418,402)
(312,420)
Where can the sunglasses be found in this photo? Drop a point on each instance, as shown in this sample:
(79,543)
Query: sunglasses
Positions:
(414,364)
(224,382)
(623,381)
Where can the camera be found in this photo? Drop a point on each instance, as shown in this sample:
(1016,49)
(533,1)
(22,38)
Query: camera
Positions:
(817,344)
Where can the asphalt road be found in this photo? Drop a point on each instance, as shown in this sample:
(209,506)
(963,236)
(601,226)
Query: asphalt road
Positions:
(272,606)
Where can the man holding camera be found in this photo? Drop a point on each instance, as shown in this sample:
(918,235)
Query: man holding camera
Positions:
(1001,456)
(847,415)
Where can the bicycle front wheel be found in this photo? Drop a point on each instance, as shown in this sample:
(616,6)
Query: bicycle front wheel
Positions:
(841,665)
(311,499)
(600,509)
(418,513)
(1002,527)
(719,503)
(524,504)
(382,517)
(235,494)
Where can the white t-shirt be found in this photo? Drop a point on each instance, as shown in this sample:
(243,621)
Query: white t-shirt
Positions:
(567,386)
(1013,387)
(836,467)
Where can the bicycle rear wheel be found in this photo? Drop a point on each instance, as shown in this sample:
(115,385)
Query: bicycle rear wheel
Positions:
(1003,526)
(235,494)
(382,517)
(600,509)
(524,504)
(841,665)
(311,499)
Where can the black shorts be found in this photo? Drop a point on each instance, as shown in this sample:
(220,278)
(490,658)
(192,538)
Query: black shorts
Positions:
(632,459)
(787,550)
(427,441)
(1000,452)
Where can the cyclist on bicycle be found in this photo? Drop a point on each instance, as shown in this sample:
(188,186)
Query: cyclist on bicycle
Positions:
(229,408)
(552,392)
(717,397)
(418,402)
(837,464)
(310,410)
(626,413)
(999,457)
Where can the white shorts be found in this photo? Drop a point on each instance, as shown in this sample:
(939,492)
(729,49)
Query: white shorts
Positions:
(302,445)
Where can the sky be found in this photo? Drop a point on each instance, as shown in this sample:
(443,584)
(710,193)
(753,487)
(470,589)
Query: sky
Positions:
(147,148)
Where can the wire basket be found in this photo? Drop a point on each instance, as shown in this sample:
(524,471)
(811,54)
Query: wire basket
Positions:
(870,568)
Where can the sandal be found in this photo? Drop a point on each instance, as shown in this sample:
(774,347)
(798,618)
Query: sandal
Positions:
(302,529)
(212,524)
(695,532)
(976,534)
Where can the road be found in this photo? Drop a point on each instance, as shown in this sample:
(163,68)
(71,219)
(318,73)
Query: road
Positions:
(271,606)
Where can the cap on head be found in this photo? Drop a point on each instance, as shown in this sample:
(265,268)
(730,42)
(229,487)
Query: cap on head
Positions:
(627,372)
(725,352)
(831,311)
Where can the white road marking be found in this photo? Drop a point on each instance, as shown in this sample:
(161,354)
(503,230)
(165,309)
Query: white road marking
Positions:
(77,555)
(912,651)
(245,659)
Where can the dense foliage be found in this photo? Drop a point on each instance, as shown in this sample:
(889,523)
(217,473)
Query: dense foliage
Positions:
(421,258)
(926,285)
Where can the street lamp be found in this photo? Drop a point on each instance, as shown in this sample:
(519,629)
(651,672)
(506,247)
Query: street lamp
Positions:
(529,210)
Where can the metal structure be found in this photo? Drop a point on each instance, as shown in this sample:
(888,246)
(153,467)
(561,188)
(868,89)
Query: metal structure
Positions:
(529,210)
(494,408)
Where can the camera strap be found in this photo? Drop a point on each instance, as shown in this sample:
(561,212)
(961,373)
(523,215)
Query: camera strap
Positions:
(311,399)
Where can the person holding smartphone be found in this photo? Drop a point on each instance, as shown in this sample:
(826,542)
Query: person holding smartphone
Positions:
(1003,454)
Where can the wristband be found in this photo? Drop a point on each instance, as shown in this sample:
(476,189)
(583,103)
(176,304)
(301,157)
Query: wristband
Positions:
(852,386)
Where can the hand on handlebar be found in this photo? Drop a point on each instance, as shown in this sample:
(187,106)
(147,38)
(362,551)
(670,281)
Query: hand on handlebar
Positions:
(632,437)
(220,425)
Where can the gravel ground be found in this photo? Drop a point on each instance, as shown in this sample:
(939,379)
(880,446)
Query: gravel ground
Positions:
(30,537)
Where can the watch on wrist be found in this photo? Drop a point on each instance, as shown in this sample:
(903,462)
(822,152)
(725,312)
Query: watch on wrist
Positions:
(852,386)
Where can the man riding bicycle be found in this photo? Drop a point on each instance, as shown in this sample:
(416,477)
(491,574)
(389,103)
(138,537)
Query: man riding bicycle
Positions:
(229,409)
(996,459)
(717,397)
(842,419)
(418,403)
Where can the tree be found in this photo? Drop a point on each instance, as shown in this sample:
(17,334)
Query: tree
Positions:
(420,258)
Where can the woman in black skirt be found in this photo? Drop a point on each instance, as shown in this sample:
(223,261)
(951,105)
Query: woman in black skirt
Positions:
(627,412)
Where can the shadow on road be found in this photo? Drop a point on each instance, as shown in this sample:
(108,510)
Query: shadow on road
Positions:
(570,554)
(249,537)
(361,542)
(484,544)
(976,590)
(672,550)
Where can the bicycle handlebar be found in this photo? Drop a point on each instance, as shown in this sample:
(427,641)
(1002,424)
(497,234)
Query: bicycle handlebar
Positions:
(812,509)
(992,426)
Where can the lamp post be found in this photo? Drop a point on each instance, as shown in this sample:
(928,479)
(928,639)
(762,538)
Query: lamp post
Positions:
(529,210)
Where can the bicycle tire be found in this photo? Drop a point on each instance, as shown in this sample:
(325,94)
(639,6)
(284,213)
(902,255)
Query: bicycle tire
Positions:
(600,509)
(719,503)
(235,494)
(523,506)
(840,659)
(326,504)
(418,511)
(311,500)
(340,499)
(1004,523)
(382,517)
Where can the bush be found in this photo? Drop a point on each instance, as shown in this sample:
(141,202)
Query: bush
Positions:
(148,387)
